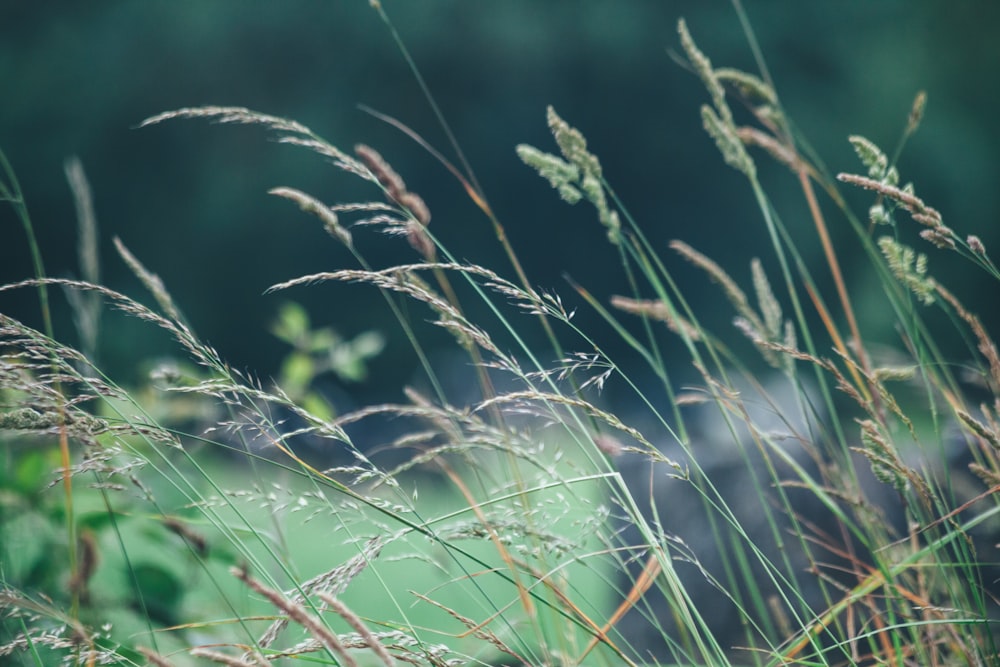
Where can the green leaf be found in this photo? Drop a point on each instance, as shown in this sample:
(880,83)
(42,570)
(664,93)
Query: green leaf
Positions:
(292,323)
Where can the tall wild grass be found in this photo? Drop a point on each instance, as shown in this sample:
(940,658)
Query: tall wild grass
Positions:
(838,508)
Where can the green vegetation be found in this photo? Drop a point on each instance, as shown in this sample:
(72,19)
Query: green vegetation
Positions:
(210,516)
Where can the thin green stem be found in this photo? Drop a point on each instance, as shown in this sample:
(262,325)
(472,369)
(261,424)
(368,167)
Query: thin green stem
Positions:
(11,192)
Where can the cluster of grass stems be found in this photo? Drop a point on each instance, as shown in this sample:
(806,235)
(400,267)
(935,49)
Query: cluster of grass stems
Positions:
(523,564)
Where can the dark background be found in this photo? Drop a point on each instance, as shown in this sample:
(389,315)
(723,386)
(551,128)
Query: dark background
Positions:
(189,198)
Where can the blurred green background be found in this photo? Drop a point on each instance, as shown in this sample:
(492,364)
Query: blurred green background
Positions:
(189,199)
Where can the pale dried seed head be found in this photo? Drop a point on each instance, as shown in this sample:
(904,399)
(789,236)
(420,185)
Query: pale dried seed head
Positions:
(657,310)
(334,581)
(989,477)
(153,657)
(940,237)
(312,205)
(339,158)
(882,456)
(750,86)
(578,176)
(653,308)
(916,112)
(560,174)
(904,196)
(976,245)
(891,176)
(733,151)
(414,203)
(871,156)
(219,657)
(735,295)
(978,428)
(894,373)
(877,215)
(909,268)
(384,174)
(297,613)
(703,66)
(420,241)
(150,281)
(82,197)
(783,154)
(769,306)
(240,115)
(608,444)
(691,398)
(358,625)
(573,144)
(928,216)
(790,341)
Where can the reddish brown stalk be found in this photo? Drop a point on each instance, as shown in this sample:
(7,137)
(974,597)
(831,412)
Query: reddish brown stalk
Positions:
(600,634)
(66,462)
(642,584)
(866,586)
(508,560)
(838,342)
(473,193)
(783,150)
(838,279)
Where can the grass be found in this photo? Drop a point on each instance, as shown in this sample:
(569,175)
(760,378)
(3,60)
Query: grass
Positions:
(813,501)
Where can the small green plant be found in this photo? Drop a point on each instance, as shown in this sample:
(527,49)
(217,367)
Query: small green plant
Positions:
(212,516)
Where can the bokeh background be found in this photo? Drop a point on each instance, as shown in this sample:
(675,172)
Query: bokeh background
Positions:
(189,198)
